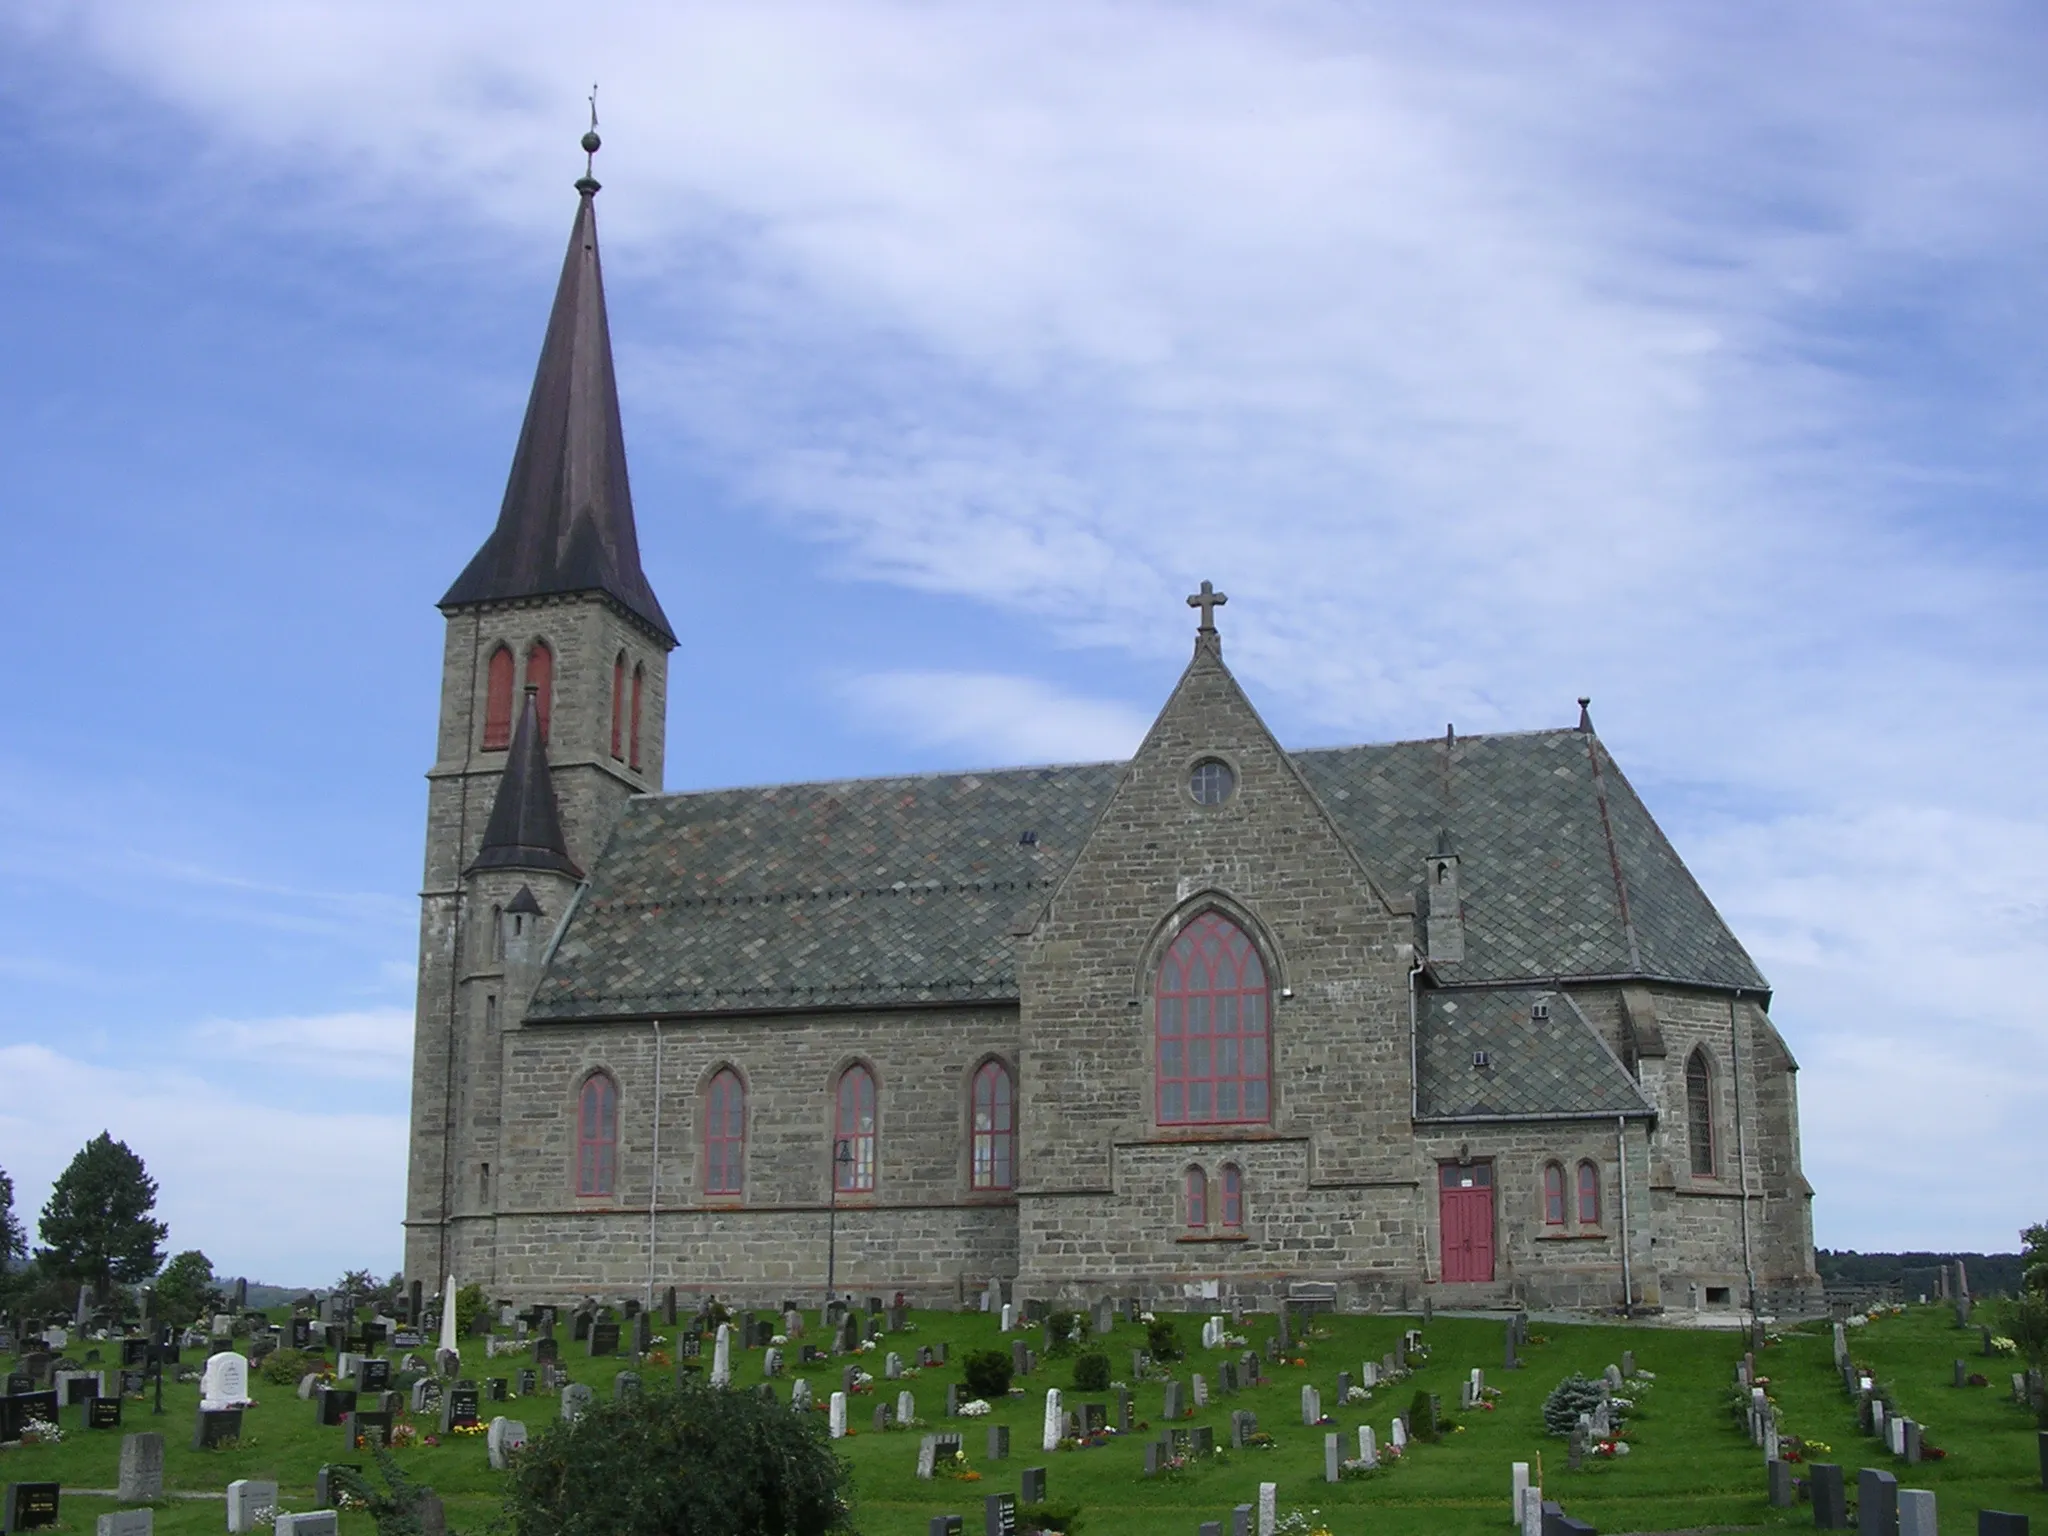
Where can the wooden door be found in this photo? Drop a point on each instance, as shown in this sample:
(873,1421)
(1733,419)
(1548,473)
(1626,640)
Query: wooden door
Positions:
(1466,1221)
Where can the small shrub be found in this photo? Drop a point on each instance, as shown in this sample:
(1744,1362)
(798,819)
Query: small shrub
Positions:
(470,1304)
(1568,1399)
(1091,1372)
(1420,1425)
(988,1373)
(1162,1339)
(1065,1518)
(284,1367)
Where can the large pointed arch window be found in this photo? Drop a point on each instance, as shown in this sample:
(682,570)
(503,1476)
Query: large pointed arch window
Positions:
(498,701)
(597,1135)
(725,1135)
(1699,1112)
(540,677)
(1211,1016)
(995,1128)
(853,1132)
(618,703)
(639,687)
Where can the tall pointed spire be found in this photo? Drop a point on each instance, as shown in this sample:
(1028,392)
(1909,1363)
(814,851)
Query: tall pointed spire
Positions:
(525,829)
(567,520)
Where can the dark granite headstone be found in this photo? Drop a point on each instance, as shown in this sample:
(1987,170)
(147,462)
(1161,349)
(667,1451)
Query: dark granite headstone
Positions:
(373,1375)
(604,1339)
(1830,1497)
(999,1442)
(1781,1490)
(459,1407)
(1033,1485)
(369,1428)
(1997,1522)
(334,1404)
(103,1413)
(29,1507)
(216,1426)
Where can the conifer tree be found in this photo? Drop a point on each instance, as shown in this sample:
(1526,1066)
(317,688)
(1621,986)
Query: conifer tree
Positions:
(13,1239)
(97,1226)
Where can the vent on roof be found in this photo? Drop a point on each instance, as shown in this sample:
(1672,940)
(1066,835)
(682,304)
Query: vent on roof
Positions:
(1481,1059)
(1539,1010)
(1028,840)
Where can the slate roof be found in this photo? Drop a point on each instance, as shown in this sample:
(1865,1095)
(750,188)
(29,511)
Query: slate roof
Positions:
(566,524)
(1536,1067)
(878,892)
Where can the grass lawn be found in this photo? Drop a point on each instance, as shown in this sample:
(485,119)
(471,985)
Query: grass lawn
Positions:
(1690,1465)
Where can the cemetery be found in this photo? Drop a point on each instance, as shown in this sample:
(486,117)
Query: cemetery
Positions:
(1114,1421)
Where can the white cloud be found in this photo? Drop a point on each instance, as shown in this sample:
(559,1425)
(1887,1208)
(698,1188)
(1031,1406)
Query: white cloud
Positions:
(1485,356)
(286,1196)
(994,718)
(368,1043)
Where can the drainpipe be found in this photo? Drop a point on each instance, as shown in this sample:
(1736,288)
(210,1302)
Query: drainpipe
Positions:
(654,1171)
(1414,1041)
(1741,1145)
(1628,1289)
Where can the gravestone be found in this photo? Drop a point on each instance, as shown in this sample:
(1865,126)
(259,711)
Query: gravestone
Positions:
(1333,1459)
(546,1351)
(1877,1502)
(1123,1410)
(1779,1476)
(250,1504)
(126,1522)
(142,1469)
(1311,1406)
(1172,1408)
(927,1456)
(314,1522)
(527,1381)
(332,1480)
(576,1401)
(1998,1522)
(1202,1441)
(28,1507)
(373,1375)
(1830,1497)
(1269,1508)
(604,1339)
(332,1404)
(369,1428)
(946,1525)
(216,1426)
(837,1422)
(1200,1385)
(462,1407)
(1368,1451)
(1034,1485)
(625,1385)
(882,1418)
(999,1514)
(1020,1358)
(504,1438)
(906,1406)
(999,1442)
(103,1413)
(1916,1513)
(225,1381)
(800,1394)
(892,1367)
(426,1395)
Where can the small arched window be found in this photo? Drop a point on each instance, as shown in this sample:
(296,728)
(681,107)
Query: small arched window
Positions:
(618,703)
(1699,1111)
(1195,1197)
(1233,1198)
(995,1128)
(853,1131)
(1553,1195)
(540,677)
(498,701)
(639,683)
(483,1184)
(497,933)
(597,1135)
(1211,1001)
(725,1135)
(1589,1195)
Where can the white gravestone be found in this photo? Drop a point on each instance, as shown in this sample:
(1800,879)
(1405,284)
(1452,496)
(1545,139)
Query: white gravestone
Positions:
(314,1522)
(1916,1513)
(1311,1406)
(1368,1452)
(225,1381)
(504,1437)
(1369,1374)
(1009,1317)
(906,1407)
(721,1357)
(1397,1436)
(250,1504)
(126,1522)
(838,1416)
(1053,1417)
(1269,1509)
(1517,1487)
(1532,1512)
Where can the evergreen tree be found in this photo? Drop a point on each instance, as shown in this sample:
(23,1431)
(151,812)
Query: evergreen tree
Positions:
(186,1288)
(13,1239)
(98,1226)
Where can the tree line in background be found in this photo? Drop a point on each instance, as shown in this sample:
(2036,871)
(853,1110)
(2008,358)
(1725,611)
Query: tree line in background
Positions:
(1991,1274)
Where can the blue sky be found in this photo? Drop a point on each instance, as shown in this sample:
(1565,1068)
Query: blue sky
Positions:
(1684,356)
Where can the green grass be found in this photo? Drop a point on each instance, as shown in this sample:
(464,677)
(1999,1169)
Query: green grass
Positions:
(1691,1464)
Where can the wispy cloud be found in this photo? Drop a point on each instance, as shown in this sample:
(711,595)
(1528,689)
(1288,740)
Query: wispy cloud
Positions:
(373,1043)
(992,718)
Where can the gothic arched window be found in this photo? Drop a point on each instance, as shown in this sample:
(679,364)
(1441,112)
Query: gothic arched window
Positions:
(1589,1195)
(725,1135)
(1233,1198)
(853,1130)
(639,683)
(995,1128)
(1195,1186)
(618,703)
(1553,1195)
(498,701)
(1699,1111)
(1211,1003)
(597,1135)
(540,677)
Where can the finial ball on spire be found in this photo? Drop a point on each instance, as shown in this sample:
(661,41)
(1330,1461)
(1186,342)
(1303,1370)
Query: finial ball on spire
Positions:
(591,142)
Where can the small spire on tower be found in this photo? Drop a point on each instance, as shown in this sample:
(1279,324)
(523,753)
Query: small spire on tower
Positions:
(1585,713)
(588,184)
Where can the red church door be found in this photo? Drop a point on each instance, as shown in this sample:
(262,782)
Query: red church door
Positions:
(1466,1221)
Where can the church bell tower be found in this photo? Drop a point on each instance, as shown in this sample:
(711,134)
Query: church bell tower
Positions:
(553,696)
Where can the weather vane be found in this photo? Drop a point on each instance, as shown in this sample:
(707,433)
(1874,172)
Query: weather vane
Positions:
(590,145)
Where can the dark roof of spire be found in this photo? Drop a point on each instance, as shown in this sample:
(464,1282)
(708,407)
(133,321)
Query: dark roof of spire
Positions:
(525,829)
(567,521)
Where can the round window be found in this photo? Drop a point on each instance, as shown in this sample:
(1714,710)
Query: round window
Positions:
(1211,782)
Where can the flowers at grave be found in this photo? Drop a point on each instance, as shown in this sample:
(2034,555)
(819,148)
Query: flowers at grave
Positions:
(403,1436)
(1299,1523)
(2004,1346)
(1146,1317)
(863,1382)
(478,1428)
(1357,1395)
(1610,1448)
(41,1432)
(1856,1320)
(1357,1467)
(956,1468)
(779,1339)
(974,1408)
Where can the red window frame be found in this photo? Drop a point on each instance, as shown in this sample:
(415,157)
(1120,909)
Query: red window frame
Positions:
(1553,1195)
(1233,1198)
(1195,1187)
(1589,1195)
(995,1128)
(540,677)
(725,1134)
(853,1122)
(597,1136)
(618,702)
(1210,1027)
(639,679)
(1699,1114)
(498,701)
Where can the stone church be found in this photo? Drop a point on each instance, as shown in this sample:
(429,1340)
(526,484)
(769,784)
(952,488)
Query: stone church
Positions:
(1444,1017)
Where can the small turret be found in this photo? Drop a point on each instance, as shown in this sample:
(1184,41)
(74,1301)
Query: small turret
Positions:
(1446,912)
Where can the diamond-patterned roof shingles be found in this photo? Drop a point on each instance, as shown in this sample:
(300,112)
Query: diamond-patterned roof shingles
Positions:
(886,891)
(1533,1066)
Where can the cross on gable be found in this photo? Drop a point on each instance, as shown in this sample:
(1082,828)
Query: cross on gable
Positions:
(1208,600)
